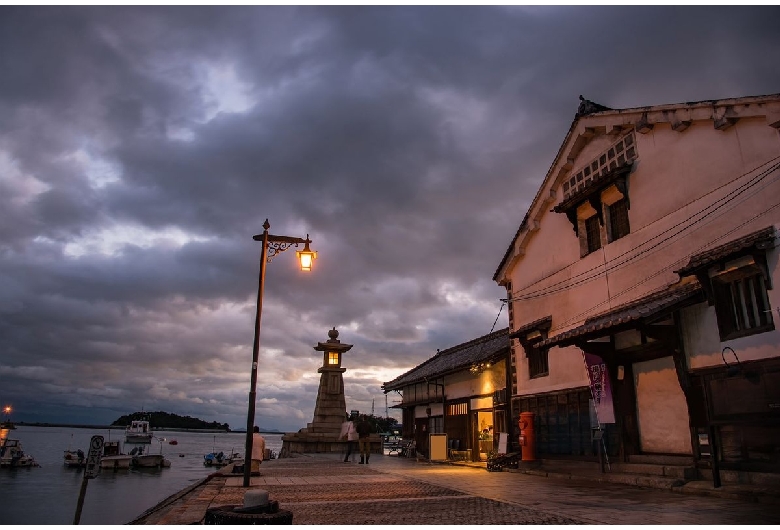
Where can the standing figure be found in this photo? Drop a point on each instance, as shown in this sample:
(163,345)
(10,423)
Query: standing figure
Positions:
(364,438)
(349,433)
(258,449)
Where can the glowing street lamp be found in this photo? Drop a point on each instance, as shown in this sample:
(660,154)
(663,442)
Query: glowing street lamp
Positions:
(306,256)
(272,245)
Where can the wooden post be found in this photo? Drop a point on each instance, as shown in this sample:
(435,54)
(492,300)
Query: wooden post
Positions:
(80,503)
(91,470)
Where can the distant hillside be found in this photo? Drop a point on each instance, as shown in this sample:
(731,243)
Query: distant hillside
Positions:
(166,420)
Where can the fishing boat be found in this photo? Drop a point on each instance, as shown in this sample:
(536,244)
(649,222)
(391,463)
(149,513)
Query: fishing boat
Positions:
(173,442)
(113,458)
(215,459)
(144,459)
(12,455)
(75,458)
(138,432)
(222,459)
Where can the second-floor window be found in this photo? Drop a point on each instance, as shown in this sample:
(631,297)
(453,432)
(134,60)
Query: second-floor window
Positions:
(741,305)
(618,220)
(592,233)
(538,365)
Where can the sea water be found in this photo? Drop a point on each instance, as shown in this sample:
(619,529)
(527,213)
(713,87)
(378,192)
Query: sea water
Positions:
(48,494)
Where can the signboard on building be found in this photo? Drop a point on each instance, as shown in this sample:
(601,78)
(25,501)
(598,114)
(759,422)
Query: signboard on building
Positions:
(600,388)
(437,444)
(502,439)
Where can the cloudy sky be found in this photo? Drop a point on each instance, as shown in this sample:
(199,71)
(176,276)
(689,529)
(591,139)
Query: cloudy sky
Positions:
(142,148)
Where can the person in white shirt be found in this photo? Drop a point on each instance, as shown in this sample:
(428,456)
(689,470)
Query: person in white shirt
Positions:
(258,450)
(349,433)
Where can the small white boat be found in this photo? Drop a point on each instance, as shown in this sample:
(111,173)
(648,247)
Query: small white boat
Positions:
(113,458)
(138,432)
(141,458)
(12,455)
(75,458)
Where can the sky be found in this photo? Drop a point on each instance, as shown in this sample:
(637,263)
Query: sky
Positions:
(141,148)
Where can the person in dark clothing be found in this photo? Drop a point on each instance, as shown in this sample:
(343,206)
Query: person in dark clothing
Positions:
(364,430)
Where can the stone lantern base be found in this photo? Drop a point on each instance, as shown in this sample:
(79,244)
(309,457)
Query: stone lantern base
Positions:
(307,442)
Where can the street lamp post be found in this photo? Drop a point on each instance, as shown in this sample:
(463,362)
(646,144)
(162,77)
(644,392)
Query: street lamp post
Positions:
(272,245)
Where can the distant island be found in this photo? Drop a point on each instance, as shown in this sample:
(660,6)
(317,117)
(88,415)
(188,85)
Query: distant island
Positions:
(168,421)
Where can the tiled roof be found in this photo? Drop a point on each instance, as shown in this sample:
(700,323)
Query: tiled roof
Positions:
(459,357)
(648,306)
(712,255)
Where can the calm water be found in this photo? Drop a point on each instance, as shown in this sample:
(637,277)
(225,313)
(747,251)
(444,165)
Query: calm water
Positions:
(48,494)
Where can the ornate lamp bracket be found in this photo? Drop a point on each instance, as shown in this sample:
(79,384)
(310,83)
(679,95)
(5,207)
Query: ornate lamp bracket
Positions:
(276,247)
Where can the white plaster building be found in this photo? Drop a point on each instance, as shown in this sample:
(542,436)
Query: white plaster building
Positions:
(651,243)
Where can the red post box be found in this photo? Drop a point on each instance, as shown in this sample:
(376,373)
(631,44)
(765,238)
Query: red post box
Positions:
(527,436)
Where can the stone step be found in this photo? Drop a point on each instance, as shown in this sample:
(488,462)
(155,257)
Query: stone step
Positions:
(574,464)
(632,479)
(663,460)
(771,480)
(680,472)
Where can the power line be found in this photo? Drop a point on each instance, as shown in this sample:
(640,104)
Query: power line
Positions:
(671,266)
(704,213)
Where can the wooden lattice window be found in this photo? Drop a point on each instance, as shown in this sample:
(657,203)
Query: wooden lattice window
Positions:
(618,220)
(538,365)
(457,409)
(741,305)
(592,233)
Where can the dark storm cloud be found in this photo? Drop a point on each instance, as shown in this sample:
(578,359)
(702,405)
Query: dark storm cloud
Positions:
(142,147)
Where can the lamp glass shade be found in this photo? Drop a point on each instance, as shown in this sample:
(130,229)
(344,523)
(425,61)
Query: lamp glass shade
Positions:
(306,257)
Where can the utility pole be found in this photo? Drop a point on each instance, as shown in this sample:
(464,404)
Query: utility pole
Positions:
(372,406)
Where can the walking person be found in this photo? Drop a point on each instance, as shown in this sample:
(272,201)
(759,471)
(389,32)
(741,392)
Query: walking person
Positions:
(258,449)
(349,433)
(364,438)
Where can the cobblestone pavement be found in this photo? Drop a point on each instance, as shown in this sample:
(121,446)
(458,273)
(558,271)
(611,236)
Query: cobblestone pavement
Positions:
(320,489)
(591,502)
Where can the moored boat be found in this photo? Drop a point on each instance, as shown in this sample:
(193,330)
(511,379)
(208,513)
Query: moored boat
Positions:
(113,458)
(141,458)
(12,455)
(215,459)
(75,458)
(138,432)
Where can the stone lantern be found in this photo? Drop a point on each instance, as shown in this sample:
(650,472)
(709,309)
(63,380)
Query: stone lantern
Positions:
(322,434)
(331,407)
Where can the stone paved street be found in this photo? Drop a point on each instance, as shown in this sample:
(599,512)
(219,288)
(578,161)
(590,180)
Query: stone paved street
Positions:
(320,489)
